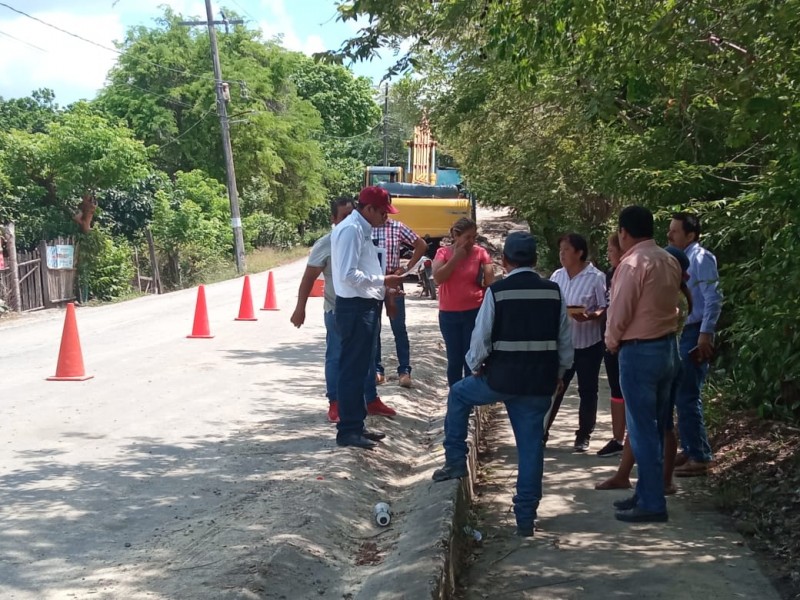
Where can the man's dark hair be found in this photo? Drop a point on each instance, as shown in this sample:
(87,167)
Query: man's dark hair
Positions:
(689,222)
(578,242)
(341,201)
(637,221)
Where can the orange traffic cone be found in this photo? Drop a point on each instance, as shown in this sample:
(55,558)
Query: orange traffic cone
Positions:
(246,312)
(70,358)
(318,289)
(200,329)
(270,302)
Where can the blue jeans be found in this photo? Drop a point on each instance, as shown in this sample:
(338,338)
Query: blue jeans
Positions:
(456,328)
(333,350)
(526,414)
(401,343)
(689,402)
(356,324)
(647,371)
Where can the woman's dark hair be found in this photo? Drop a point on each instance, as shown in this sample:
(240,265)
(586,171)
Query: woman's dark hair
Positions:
(341,201)
(462,225)
(637,221)
(578,242)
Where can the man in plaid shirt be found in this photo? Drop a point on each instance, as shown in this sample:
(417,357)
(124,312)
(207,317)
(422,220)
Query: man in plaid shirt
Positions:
(391,237)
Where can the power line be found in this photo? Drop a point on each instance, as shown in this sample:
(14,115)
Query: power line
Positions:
(151,93)
(111,83)
(16,39)
(200,120)
(107,48)
(245,11)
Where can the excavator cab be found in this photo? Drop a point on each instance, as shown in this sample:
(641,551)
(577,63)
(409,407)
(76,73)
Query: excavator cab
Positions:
(377,175)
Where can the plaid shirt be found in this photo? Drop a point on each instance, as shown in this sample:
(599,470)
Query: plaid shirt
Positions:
(391,236)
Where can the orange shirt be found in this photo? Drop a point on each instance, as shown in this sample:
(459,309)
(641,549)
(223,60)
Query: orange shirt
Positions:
(644,295)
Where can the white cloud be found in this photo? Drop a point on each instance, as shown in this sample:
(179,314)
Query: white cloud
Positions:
(63,62)
(279,23)
(73,68)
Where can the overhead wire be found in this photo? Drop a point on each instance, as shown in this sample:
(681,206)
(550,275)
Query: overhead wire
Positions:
(200,120)
(158,65)
(109,48)
(16,39)
(245,11)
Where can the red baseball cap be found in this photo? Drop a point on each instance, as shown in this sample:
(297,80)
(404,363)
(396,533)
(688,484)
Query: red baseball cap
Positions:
(377,197)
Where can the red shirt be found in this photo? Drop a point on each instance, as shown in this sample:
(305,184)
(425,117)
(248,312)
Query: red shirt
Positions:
(461,290)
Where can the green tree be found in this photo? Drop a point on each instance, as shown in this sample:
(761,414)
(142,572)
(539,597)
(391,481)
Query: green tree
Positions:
(585,106)
(31,114)
(64,168)
(163,87)
(190,227)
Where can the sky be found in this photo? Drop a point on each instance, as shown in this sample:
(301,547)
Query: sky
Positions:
(33,55)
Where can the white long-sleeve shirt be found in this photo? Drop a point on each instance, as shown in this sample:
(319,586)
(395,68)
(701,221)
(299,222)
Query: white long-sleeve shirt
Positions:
(356,266)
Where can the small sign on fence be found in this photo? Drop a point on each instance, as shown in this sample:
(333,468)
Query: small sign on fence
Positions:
(60,257)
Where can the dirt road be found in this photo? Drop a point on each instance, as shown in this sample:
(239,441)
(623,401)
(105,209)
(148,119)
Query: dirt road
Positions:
(205,469)
(197,468)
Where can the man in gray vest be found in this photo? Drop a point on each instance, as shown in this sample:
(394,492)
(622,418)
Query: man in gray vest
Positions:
(520,348)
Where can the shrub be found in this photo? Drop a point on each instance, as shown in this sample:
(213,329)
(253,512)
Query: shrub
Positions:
(104,265)
(262,230)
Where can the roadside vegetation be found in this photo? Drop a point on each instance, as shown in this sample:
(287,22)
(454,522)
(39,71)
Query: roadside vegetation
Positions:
(145,156)
(568,111)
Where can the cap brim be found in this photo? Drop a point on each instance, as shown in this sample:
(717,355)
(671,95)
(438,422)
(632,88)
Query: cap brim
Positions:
(391,210)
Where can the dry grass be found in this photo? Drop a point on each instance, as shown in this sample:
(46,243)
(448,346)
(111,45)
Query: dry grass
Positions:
(257,261)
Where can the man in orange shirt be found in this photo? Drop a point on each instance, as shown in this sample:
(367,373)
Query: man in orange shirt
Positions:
(642,321)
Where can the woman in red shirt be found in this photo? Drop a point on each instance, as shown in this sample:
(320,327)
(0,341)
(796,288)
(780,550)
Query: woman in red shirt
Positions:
(462,271)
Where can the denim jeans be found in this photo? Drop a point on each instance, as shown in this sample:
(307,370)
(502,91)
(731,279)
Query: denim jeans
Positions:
(587,365)
(456,328)
(647,372)
(689,402)
(356,324)
(401,343)
(333,349)
(526,414)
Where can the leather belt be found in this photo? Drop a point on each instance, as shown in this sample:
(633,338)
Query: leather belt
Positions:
(645,341)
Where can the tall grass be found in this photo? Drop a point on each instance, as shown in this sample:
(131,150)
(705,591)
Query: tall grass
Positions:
(257,261)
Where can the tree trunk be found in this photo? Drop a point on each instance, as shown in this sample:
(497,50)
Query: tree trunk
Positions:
(85,212)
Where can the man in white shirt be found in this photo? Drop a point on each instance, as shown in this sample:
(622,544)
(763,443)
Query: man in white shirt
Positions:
(319,261)
(360,286)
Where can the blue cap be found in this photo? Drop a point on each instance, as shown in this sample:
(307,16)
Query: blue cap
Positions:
(520,248)
(682,259)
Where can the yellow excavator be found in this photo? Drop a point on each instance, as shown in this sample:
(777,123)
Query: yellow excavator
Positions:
(429,199)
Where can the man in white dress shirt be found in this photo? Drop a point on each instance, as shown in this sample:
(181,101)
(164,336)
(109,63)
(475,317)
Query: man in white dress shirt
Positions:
(360,286)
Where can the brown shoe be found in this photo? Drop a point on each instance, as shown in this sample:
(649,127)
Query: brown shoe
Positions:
(693,468)
(681,459)
(380,379)
(405,380)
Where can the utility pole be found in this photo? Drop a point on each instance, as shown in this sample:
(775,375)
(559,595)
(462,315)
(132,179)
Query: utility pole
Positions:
(222,110)
(386,125)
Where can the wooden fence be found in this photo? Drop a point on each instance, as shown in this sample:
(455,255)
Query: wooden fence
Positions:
(45,275)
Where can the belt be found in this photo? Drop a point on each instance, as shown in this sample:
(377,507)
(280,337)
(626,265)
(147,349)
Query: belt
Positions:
(648,340)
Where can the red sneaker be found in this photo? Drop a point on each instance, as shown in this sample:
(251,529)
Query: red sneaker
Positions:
(333,412)
(379,409)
